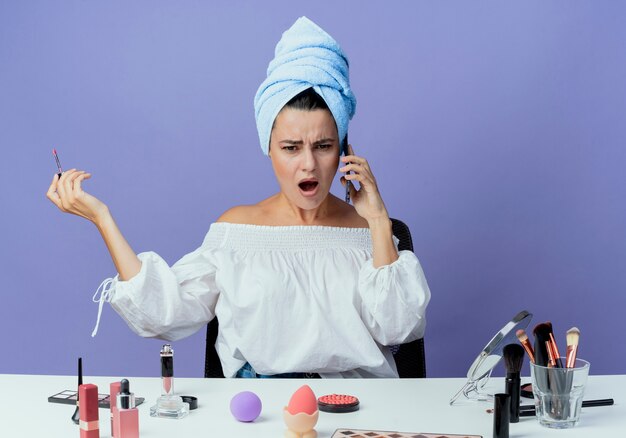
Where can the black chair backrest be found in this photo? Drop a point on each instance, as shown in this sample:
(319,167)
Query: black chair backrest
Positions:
(410,357)
(212,364)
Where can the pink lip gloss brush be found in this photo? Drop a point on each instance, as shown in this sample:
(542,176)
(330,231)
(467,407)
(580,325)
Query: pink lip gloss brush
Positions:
(56,157)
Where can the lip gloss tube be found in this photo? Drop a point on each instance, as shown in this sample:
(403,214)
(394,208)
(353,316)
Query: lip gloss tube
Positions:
(168,405)
(167,370)
(89,421)
(114,390)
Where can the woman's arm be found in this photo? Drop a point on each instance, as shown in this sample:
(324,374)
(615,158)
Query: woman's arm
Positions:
(126,261)
(394,300)
(67,194)
(384,250)
(370,206)
(145,288)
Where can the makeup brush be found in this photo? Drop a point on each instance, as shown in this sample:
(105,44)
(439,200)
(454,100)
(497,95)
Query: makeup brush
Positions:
(523,338)
(552,379)
(573,335)
(529,410)
(513,360)
(542,335)
(555,350)
(551,355)
(76,416)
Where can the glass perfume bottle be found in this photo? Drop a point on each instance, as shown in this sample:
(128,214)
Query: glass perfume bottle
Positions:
(127,424)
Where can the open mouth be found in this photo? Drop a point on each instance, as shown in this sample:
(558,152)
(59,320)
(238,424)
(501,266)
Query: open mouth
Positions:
(308,186)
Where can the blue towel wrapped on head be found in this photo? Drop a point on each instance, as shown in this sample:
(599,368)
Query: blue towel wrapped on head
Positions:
(305,57)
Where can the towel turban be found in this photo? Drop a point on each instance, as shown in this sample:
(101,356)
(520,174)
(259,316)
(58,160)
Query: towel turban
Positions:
(305,57)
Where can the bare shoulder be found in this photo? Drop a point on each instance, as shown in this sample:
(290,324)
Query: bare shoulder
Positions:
(352,219)
(241,214)
(261,213)
(346,216)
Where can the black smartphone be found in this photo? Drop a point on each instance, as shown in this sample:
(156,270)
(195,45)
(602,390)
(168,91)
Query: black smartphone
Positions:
(345,152)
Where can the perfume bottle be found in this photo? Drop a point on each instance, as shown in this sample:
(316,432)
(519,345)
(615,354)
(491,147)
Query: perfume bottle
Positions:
(127,424)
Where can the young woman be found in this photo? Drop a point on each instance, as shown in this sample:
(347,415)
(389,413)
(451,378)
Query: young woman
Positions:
(301,282)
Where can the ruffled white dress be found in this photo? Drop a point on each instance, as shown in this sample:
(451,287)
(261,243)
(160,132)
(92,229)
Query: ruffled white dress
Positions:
(288,299)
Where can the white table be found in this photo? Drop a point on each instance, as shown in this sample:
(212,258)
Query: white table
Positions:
(407,405)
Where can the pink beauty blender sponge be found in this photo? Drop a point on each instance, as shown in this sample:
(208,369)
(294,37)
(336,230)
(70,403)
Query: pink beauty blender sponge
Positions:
(301,414)
(245,406)
(303,400)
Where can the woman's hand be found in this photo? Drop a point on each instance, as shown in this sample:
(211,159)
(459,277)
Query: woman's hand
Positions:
(67,194)
(367,200)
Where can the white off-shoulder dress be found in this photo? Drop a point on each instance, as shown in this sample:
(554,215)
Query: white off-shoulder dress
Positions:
(288,299)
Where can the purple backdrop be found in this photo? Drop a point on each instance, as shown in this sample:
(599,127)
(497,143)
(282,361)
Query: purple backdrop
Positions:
(496,131)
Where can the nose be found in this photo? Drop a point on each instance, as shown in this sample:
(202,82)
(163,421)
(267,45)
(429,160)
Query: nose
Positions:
(309,161)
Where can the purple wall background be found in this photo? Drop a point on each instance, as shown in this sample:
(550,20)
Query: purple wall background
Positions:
(496,130)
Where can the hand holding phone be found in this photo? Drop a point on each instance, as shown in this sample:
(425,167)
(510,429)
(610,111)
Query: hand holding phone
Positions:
(366,200)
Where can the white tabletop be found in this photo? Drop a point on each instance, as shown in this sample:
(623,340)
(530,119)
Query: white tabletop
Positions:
(406,405)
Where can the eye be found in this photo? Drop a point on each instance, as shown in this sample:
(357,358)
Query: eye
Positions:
(324,146)
(289,148)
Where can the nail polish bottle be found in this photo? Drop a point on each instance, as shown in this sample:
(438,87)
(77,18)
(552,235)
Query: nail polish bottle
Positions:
(128,415)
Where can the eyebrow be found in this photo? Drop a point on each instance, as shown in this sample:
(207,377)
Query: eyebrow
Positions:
(299,142)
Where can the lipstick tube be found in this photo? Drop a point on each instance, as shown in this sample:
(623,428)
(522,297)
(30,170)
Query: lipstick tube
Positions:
(89,421)
(114,391)
(167,370)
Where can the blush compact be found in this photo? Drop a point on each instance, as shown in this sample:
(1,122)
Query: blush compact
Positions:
(338,403)
(527,390)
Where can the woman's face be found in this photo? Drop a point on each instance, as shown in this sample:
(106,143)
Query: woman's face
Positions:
(304,150)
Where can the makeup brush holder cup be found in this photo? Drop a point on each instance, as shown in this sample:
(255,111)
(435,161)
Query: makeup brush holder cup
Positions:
(559,393)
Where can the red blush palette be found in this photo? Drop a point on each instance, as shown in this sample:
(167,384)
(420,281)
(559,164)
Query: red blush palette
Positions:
(354,433)
(338,403)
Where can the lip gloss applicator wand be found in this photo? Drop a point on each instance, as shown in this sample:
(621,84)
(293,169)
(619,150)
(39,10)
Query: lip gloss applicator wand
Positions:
(56,157)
